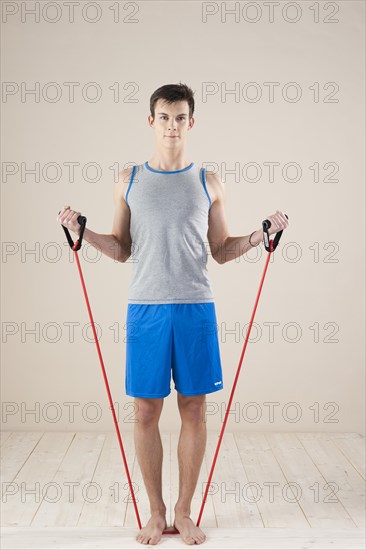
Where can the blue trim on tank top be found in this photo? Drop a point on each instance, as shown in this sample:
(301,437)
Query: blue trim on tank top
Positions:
(164,172)
(131,180)
(204,184)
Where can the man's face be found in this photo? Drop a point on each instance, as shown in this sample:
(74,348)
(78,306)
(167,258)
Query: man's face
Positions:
(171,120)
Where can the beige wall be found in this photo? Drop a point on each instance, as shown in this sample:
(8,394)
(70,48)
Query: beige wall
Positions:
(312,367)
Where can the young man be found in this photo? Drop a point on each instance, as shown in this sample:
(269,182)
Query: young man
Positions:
(166,210)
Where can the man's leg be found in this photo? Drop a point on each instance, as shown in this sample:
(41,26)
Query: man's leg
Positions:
(191,449)
(149,451)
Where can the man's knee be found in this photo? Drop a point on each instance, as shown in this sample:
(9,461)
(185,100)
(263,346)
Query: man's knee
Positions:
(148,410)
(192,408)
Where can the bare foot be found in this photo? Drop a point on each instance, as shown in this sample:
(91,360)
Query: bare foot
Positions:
(151,534)
(190,533)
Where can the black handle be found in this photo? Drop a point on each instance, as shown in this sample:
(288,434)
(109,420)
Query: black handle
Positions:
(82,222)
(266,224)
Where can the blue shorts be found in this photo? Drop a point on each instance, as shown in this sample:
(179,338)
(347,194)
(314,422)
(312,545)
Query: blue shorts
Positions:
(177,339)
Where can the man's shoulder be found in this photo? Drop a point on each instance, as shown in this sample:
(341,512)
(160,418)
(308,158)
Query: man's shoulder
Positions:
(214,184)
(214,179)
(124,176)
(214,176)
(126,172)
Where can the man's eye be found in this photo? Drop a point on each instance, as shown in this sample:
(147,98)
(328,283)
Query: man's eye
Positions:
(180,118)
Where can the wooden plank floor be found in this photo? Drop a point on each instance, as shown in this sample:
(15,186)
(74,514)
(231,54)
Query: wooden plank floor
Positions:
(269,490)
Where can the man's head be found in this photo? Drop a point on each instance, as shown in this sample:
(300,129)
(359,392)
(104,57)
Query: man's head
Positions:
(171,93)
(171,108)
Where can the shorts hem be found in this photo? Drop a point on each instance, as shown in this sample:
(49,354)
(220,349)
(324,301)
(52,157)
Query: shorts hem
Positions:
(210,390)
(147,395)
(164,301)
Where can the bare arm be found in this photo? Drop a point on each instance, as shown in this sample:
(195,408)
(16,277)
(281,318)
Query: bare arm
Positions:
(107,244)
(223,247)
(122,216)
(117,245)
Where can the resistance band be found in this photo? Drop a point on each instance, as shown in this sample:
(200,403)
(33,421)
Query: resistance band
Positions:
(270,245)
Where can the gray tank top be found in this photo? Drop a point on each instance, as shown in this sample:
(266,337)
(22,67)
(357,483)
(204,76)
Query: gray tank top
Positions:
(168,226)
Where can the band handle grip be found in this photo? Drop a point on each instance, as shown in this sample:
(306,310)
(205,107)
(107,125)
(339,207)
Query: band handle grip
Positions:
(77,244)
(270,245)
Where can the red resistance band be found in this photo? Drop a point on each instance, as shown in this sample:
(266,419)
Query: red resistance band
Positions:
(270,246)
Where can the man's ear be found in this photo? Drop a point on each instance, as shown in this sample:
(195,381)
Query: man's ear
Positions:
(150,120)
(191,123)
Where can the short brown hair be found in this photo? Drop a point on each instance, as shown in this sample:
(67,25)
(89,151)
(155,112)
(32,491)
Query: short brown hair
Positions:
(171,93)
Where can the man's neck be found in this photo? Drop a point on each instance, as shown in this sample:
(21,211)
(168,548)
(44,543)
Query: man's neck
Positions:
(168,160)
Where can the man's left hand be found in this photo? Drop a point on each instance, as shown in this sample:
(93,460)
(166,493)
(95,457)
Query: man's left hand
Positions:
(278,222)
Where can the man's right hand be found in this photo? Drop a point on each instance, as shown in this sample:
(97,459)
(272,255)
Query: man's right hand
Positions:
(69,218)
